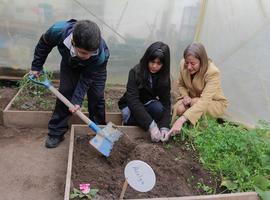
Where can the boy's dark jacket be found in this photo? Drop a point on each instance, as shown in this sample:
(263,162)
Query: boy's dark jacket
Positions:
(139,92)
(55,36)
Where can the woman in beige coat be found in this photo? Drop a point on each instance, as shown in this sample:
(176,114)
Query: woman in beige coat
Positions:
(199,89)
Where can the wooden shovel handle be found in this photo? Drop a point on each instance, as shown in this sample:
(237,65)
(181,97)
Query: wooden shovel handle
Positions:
(69,104)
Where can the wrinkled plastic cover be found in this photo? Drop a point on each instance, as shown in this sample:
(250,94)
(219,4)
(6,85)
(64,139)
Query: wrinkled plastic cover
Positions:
(128,27)
(236,36)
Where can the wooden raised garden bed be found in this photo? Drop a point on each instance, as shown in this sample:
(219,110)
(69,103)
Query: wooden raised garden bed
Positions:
(25,112)
(177,168)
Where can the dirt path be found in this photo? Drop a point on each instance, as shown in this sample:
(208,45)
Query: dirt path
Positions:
(28,170)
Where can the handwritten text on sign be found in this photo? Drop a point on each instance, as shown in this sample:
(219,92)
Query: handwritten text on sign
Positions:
(139,175)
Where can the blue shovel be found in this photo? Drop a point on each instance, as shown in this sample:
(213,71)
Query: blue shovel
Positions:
(104,139)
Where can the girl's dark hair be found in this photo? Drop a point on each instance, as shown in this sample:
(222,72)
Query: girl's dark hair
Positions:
(159,53)
(86,35)
(156,50)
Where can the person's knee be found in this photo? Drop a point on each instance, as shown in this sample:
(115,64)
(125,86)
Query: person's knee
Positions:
(156,110)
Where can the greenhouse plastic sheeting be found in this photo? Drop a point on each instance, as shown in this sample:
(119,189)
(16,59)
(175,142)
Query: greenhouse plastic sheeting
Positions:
(235,33)
(236,36)
(128,27)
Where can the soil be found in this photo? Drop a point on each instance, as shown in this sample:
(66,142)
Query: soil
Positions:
(38,100)
(6,94)
(176,167)
(44,100)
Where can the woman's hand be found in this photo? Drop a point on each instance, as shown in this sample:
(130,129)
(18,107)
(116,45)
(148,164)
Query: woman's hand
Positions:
(177,126)
(187,101)
(74,109)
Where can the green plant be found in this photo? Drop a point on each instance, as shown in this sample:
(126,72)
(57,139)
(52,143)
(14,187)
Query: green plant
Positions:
(85,192)
(205,188)
(167,146)
(109,103)
(38,95)
(240,157)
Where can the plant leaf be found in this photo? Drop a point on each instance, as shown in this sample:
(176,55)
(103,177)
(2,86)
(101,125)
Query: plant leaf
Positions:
(72,196)
(93,192)
(230,185)
(261,182)
(265,195)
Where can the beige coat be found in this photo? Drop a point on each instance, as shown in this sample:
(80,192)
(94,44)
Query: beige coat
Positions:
(205,86)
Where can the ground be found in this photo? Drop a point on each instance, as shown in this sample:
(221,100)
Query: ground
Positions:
(28,170)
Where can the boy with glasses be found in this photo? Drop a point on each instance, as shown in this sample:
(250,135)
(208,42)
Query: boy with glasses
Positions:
(82,71)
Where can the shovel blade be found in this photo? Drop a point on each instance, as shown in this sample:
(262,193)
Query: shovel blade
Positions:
(104,139)
(103,145)
(111,132)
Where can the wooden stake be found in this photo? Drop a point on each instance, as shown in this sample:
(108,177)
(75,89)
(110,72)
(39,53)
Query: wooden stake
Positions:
(123,190)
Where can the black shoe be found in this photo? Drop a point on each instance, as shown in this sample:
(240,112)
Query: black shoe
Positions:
(52,142)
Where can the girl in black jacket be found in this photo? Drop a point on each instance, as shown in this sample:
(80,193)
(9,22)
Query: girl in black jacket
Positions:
(146,102)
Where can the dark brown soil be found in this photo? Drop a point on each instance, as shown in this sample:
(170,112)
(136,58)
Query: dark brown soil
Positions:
(177,169)
(34,100)
(6,94)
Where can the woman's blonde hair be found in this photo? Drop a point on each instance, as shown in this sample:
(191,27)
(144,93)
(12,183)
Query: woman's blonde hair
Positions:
(198,51)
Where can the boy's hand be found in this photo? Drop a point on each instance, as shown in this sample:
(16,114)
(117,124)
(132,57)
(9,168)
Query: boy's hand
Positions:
(74,108)
(36,73)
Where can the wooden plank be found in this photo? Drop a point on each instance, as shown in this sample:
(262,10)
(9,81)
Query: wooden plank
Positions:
(69,165)
(26,119)
(40,119)
(233,196)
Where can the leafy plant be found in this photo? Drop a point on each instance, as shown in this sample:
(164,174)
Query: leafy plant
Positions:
(205,188)
(38,94)
(167,146)
(109,103)
(85,192)
(241,157)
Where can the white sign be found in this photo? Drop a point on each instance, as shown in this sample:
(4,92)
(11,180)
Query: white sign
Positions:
(140,176)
